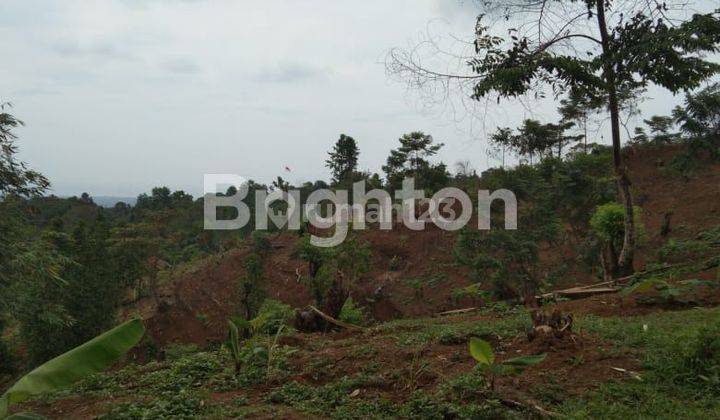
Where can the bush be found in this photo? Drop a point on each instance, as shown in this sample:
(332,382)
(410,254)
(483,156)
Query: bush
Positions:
(272,316)
(352,313)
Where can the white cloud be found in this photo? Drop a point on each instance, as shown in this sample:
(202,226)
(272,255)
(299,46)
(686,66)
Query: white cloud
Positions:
(123,95)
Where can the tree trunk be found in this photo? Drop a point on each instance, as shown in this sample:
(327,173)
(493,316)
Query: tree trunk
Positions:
(627,254)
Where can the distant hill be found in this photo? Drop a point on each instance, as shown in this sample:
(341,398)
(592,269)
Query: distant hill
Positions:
(109,201)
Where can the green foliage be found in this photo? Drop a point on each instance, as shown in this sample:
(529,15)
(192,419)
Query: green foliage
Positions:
(353,259)
(94,356)
(699,120)
(39,297)
(182,404)
(670,388)
(272,316)
(482,352)
(663,292)
(15,178)
(702,361)
(680,250)
(233,342)
(350,261)
(534,139)
(260,243)
(608,222)
(342,160)
(508,258)
(411,160)
(251,285)
(473,291)
(352,313)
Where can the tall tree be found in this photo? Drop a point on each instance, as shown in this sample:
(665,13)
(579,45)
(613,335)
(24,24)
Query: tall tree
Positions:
(577,108)
(343,158)
(16,182)
(411,160)
(598,48)
(15,177)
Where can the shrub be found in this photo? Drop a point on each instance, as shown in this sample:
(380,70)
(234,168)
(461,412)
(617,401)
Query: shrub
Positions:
(352,313)
(271,316)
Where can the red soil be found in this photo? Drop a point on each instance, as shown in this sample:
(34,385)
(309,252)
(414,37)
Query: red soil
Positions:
(199,302)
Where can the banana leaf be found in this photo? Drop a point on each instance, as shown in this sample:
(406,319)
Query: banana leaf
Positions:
(94,356)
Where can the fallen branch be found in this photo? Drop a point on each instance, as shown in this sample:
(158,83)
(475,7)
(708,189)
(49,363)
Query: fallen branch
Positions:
(334,321)
(597,288)
(456,311)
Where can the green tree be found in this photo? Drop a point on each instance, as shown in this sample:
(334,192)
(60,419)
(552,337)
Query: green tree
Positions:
(16,182)
(411,160)
(135,248)
(577,108)
(599,48)
(533,138)
(699,120)
(39,296)
(343,158)
(15,177)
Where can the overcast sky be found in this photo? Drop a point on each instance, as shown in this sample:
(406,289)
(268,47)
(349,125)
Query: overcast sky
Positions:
(119,96)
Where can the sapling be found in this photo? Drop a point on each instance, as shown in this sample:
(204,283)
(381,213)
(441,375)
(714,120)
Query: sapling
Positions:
(482,352)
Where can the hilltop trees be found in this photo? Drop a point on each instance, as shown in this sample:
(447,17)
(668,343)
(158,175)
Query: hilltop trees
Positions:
(411,160)
(699,119)
(594,48)
(343,159)
(533,138)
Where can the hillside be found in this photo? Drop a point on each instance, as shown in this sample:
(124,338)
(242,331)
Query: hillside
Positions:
(414,274)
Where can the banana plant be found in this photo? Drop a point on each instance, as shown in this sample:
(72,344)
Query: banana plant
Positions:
(237,328)
(482,352)
(94,356)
